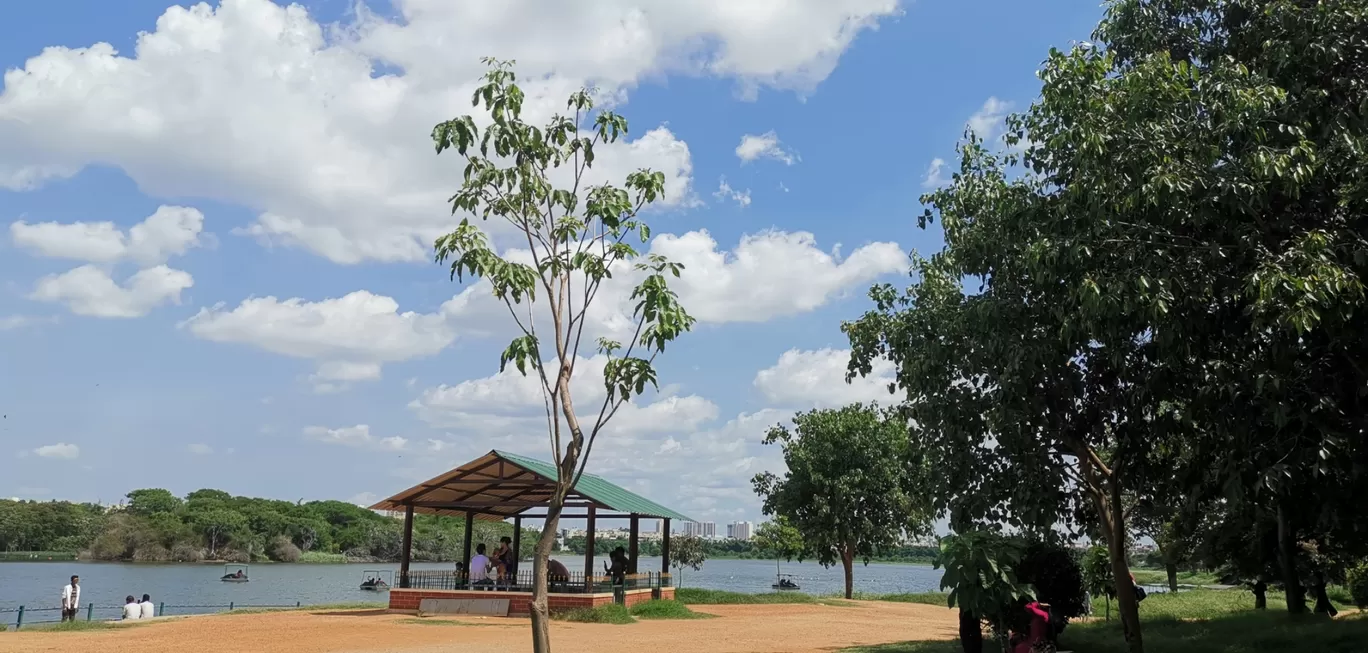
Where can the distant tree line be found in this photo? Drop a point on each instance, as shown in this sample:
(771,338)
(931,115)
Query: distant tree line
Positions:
(157,526)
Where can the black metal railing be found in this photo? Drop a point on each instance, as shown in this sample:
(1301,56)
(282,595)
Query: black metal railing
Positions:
(91,612)
(573,583)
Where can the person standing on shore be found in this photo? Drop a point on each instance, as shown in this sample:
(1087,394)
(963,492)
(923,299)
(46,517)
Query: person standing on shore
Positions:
(71,599)
(146,608)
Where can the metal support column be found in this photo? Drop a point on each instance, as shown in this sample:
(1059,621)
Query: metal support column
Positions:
(408,547)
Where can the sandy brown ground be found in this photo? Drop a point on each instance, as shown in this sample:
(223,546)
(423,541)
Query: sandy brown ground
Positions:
(738,629)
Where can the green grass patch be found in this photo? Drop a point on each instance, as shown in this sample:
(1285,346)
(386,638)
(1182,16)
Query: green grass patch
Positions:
(603,614)
(1271,631)
(1148,576)
(695,596)
(354,605)
(36,556)
(320,558)
(1191,604)
(928,598)
(661,609)
(1199,621)
(313,608)
(77,626)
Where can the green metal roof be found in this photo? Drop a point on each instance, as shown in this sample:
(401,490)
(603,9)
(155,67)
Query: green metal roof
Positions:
(599,490)
(499,485)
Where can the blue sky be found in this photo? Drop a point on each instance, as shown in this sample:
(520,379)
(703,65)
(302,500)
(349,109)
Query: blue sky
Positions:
(285,155)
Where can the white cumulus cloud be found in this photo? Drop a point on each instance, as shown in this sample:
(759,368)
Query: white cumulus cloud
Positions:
(350,337)
(764,146)
(257,104)
(509,403)
(935,175)
(358,436)
(769,275)
(91,289)
(816,379)
(727,193)
(171,231)
(989,122)
(60,450)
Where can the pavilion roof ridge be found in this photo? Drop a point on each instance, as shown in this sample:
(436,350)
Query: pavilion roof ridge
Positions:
(598,489)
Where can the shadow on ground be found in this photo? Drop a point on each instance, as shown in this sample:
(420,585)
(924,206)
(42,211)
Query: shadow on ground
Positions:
(1271,632)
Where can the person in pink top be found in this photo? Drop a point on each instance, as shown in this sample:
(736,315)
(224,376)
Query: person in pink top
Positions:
(1037,639)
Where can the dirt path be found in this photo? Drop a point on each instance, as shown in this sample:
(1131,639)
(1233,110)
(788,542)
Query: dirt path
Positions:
(738,629)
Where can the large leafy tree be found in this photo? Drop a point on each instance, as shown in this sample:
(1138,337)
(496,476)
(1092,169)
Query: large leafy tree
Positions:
(1172,261)
(852,487)
(1271,202)
(152,501)
(575,236)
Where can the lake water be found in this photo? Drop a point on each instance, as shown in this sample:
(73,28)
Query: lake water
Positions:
(39,584)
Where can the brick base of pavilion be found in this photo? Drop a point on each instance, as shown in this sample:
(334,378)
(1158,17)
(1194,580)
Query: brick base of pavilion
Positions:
(519,603)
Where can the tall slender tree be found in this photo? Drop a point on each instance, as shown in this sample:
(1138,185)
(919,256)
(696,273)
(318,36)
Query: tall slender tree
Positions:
(577,236)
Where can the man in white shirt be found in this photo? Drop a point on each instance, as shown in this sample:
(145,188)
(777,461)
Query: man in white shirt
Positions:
(479,565)
(71,599)
(131,608)
(146,608)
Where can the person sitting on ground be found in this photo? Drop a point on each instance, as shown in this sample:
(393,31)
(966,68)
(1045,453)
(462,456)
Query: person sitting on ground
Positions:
(146,609)
(131,608)
(479,566)
(1037,639)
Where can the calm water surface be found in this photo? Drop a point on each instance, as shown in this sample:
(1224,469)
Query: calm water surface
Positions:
(39,584)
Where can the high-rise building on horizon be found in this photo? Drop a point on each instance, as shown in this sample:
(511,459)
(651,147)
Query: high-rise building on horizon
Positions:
(740,530)
(706,530)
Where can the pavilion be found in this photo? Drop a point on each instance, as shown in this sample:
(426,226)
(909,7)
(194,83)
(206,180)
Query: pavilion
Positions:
(499,486)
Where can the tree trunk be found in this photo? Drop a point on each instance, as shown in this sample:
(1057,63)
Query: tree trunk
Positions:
(1323,604)
(1172,570)
(970,632)
(1287,559)
(541,616)
(848,563)
(1114,529)
(1260,595)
